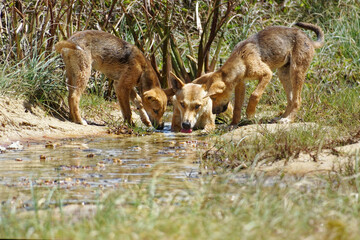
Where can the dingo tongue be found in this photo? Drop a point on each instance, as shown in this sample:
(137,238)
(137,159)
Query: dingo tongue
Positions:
(186,130)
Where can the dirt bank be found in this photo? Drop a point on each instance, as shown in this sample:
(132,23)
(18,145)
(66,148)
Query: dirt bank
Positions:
(323,161)
(19,121)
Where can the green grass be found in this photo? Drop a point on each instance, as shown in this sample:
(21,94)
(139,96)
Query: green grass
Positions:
(37,80)
(270,146)
(211,208)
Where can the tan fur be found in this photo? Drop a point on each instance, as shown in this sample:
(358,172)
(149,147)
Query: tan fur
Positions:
(192,110)
(289,50)
(119,61)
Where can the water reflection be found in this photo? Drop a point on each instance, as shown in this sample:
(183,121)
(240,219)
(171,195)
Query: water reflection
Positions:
(83,167)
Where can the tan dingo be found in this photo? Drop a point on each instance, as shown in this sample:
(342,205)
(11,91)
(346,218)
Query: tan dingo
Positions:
(119,61)
(192,109)
(289,50)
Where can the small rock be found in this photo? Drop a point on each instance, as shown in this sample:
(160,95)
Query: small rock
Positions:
(2,149)
(51,145)
(16,146)
(117,160)
(68,179)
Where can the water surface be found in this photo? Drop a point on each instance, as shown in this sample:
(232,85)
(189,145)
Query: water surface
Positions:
(83,168)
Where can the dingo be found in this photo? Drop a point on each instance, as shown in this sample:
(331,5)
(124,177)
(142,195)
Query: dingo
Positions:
(119,61)
(192,110)
(289,50)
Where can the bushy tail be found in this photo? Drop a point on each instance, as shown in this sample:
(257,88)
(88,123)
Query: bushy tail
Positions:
(66,44)
(319,33)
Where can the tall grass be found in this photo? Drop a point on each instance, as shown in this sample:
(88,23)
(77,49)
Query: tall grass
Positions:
(223,207)
(39,80)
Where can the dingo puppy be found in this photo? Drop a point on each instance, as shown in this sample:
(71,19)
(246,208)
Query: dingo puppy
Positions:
(192,109)
(289,50)
(119,61)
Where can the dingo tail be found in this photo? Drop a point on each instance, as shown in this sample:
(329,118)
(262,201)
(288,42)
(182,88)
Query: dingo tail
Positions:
(319,33)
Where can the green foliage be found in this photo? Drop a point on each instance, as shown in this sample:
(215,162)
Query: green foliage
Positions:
(38,79)
(269,146)
(171,30)
(222,207)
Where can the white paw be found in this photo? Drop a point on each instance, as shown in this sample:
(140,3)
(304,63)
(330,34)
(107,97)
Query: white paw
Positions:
(284,120)
(83,122)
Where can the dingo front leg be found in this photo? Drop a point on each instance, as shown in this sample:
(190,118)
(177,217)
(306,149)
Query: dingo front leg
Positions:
(239,100)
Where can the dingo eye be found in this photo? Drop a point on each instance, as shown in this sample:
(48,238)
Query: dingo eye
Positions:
(182,104)
(197,106)
(156,111)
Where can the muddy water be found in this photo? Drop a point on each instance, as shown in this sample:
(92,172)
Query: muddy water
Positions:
(83,168)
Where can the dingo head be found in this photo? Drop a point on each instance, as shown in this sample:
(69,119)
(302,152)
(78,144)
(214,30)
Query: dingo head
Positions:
(154,102)
(192,103)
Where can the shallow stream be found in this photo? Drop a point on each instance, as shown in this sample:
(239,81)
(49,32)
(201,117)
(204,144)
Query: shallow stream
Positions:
(85,167)
(82,170)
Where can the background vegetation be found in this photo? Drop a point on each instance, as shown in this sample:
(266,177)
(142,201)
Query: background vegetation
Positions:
(188,37)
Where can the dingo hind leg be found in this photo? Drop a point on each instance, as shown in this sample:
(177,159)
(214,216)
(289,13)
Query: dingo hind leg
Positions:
(78,70)
(284,76)
(299,64)
(297,77)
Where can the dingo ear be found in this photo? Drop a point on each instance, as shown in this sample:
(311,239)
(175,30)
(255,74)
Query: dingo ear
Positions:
(148,96)
(169,92)
(152,99)
(176,82)
(204,79)
(217,87)
(146,80)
